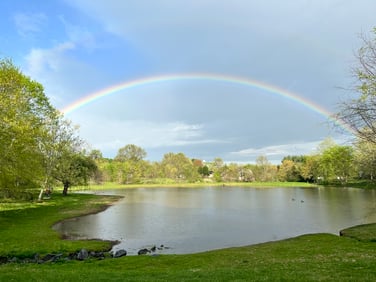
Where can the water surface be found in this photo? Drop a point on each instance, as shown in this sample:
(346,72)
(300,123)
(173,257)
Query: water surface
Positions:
(189,220)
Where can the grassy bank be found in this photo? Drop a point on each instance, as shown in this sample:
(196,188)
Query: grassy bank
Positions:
(25,230)
(110,185)
(26,227)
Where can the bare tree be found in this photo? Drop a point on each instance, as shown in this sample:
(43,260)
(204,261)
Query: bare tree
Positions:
(360,113)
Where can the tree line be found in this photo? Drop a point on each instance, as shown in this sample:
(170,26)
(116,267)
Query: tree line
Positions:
(331,163)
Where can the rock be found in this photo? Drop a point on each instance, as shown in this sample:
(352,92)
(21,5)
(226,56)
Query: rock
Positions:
(143,252)
(49,258)
(153,249)
(82,254)
(3,260)
(14,259)
(99,255)
(120,253)
(36,257)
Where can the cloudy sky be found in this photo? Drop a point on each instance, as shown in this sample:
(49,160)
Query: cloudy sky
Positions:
(303,47)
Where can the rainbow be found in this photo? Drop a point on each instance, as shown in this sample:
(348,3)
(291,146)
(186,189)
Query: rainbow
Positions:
(205,77)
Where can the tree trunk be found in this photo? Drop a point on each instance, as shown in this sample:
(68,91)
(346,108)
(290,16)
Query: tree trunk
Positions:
(66,186)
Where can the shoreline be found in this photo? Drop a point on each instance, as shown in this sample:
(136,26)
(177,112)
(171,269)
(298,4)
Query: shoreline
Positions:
(26,236)
(266,185)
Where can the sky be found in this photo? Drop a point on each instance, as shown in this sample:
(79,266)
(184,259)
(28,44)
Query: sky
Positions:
(300,51)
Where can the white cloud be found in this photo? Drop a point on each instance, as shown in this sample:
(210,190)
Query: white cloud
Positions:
(80,35)
(48,66)
(47,60)
(28,24)
(304,148)
(110,135)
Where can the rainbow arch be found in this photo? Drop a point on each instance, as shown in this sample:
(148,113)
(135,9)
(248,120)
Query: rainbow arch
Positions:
(92,97)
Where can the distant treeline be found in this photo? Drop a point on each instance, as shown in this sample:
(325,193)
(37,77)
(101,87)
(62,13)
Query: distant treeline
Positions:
(331,163)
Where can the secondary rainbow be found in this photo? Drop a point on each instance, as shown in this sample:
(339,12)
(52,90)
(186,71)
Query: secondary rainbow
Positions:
(203,77)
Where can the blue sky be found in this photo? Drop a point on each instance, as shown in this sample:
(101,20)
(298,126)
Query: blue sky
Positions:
(77,47)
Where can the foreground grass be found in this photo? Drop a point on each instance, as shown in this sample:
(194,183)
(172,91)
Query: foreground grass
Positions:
(26,227)
(315,257)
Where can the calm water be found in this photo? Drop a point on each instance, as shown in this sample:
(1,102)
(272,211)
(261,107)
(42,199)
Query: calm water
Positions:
(200,219)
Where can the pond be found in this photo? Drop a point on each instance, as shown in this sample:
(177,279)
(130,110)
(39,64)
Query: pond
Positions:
(190,220)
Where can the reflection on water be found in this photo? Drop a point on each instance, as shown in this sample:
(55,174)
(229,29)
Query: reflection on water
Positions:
(199,219)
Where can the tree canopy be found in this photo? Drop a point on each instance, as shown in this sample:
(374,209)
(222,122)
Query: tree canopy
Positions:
(37,145)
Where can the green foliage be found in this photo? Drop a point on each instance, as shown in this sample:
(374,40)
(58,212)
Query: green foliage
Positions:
(24,111)
(365,159)
(130,152)
(37,146)
(289,171)
(264,170)
(178,167)
(336,163)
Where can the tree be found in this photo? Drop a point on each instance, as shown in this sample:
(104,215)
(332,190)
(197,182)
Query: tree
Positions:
(230,173)
(130,152)
(264,171)
(74,169)
(336,163)
(24,112)
(288,171)
(95,154)
(360,113)
(130,167)
(365,159)
(310,168)
(179,167)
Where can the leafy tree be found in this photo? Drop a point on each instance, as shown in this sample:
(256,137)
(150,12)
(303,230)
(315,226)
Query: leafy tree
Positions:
(74,169)
(179,167)
(204,170)
(130,167)
(310,168)
(336,163)
(288,171)
(217,166)
(360,113)
(96,154)
(264,170)
(365,159)
(24,111)
(230,173)
(130,152)
(247,174)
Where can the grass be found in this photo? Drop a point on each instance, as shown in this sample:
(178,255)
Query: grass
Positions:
(26,227)
(26,230)
(110,185)
(365,233)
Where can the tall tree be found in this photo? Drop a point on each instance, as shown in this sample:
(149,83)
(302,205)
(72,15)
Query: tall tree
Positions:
(24,111)
(360,113)
(336,163)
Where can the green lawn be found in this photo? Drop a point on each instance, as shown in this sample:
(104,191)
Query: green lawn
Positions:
(26,230)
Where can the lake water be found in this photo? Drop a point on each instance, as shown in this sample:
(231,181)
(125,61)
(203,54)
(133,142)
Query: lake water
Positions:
(190,220)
